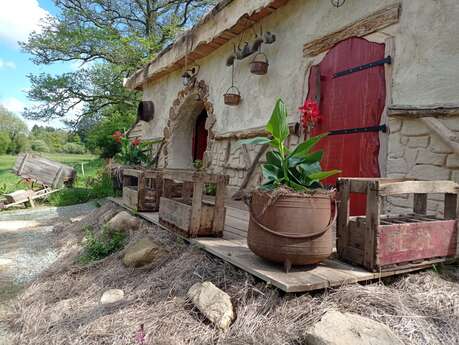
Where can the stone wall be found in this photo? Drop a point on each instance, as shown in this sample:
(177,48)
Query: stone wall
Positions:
(415,151)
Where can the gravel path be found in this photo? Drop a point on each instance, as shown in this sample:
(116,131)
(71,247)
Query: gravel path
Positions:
(26,246)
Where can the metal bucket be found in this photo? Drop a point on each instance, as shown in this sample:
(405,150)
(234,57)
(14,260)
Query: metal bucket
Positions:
(294,230)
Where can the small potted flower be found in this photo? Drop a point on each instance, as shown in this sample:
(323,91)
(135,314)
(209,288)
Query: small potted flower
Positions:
(291,212)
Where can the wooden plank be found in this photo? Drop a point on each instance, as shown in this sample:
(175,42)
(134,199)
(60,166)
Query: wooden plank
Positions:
(196,206)
(402,243)
(420,203)
(219,212)
(342,224)
(237,214)
(252,133)
(421,187)
(372,221)
(413,111)
(193,176)
(362,27)
(176,213)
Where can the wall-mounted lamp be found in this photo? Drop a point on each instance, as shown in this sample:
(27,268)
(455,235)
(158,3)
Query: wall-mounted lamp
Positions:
(337,3)
(189,76)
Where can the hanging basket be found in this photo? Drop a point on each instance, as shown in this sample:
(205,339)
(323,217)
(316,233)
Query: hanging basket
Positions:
(232,96)
(259,66)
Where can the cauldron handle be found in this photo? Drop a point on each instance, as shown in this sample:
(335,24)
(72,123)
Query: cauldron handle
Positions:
(294,236)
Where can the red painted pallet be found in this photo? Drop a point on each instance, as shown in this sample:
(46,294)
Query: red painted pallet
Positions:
(381,242)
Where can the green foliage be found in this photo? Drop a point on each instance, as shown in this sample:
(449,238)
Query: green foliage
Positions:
(99,138)
(15,129)
(5,142)
(98,187)
(97,247)
(109,39)
(39,145)
(73,148)
(134,152)
(298,170)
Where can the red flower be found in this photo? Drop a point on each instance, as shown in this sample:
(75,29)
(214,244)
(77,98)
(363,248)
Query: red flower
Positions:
(135,142)
(117,136)
(310,113)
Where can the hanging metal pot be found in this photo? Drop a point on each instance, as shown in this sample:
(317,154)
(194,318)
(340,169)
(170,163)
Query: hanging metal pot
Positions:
(259,66)
(232,96)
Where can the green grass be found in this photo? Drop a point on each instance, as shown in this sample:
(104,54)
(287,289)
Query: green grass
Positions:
(93,184)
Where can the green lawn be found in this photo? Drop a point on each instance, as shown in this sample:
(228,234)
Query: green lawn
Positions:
(90,185)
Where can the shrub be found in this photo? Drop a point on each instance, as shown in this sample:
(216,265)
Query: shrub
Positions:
(4,142)
(73,148)
(95,188)
(97,247)
(39,146)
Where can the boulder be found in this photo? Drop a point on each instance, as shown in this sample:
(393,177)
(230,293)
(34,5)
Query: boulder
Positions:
(213,303)
(336,328)
(112,296)
(141,253)
(123,221)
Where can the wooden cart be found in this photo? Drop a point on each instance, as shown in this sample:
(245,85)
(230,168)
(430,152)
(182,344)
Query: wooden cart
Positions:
(384,242)
(190,215)
(49,175)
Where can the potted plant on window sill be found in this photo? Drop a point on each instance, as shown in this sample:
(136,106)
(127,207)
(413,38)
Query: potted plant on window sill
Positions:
(291,213)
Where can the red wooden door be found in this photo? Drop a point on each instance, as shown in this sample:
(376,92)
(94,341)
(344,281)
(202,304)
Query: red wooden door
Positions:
(355,100)
(200,137)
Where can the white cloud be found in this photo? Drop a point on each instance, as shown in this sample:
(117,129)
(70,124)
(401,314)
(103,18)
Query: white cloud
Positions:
(7,64)
(13,104)
(18,18)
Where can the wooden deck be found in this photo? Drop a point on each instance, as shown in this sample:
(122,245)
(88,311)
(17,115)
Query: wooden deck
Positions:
(233,249)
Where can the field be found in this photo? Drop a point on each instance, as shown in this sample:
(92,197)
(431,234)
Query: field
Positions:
(89,184)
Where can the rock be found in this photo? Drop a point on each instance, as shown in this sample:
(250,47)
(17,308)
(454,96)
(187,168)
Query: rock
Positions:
(414,127)
(336,328)
(429,172)
(141,253)
(123,221)
(453,161)
(415,142)
(214,303)
(112,296)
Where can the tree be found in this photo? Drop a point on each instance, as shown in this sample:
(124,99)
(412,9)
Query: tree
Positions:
(16,130)
(109,39)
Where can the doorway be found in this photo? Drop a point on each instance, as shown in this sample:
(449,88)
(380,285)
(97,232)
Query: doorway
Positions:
(200,137)
(349,100)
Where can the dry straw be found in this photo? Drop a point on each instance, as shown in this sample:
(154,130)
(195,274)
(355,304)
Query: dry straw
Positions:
(62,306)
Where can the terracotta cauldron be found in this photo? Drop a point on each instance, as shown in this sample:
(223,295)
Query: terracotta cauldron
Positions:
(294,230)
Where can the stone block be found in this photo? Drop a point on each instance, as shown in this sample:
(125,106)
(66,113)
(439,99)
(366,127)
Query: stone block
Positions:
(455,176)
(410,156)
(437,145)
(427,157)
(404,140)
(395,146)
(415,142)
(397,166)
(453,161)
(414,127)
(429,172)
(395,125)
(452,123)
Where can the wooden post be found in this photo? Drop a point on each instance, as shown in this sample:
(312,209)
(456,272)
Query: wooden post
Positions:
(196,209)
(420,203)
(219,213)
(187,191)
(372,222)
(344,189)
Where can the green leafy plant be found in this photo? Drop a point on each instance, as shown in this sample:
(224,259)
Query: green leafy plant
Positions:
(198,164)
(133,152)
(299,169)
(97,247)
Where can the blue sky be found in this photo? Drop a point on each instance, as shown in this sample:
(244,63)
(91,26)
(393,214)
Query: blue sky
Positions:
(17,19)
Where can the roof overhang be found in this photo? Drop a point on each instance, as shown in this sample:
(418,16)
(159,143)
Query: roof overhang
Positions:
(227,20)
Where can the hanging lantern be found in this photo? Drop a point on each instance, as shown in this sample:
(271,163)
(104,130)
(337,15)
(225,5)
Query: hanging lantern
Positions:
(189,75)
(337,3)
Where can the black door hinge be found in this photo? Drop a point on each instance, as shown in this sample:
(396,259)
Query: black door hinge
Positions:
(381,128)
(387,60)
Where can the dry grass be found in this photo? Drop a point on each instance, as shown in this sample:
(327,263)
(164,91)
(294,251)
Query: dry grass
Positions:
(62,306)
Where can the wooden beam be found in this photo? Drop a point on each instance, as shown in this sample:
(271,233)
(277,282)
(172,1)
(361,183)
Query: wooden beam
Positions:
(448,136)
(253,132)
(420,187)
(362,27)
(414,111)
